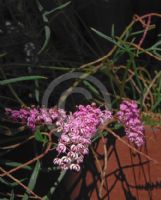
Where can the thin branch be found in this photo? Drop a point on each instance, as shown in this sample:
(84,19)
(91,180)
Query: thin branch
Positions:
(34,159)
(145,31)
(104,169)
(131,147)
(136,18)
(21,184)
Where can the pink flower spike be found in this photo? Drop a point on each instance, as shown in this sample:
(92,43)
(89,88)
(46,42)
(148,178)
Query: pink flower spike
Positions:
(129,116)
(77,131)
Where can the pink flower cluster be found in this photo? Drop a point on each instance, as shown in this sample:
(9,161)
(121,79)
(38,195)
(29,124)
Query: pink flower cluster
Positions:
(78,128)
(33,116)
(129,116)
(76,135)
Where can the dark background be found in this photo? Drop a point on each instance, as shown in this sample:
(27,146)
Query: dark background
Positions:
(72,42)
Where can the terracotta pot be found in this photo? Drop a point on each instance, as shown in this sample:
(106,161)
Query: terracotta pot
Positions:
(128,175)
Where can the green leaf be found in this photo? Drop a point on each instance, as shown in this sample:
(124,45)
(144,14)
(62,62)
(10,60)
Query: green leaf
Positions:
(91,87)
(113,31)
(37,91)
(3,181)
(117,126)
(3,54)
(40,137)
(47,38)
(57,8)
(12,195)
(33,179)
(22,78)
(14,164)
(117,43)
(148,120)
(47,29)
(98,135)
(104,36)
(53,188)
(45,198)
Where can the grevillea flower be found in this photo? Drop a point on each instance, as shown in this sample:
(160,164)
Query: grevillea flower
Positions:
(33,116)
(129,116)
(77,132)
(78,128)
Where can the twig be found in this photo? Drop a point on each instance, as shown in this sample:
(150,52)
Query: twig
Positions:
(34,159)
(131,147)
(112,50)
(13,146)
(151,84)
(21,184)
(150,14)
(16,195)
(135,19)
(138,18)
(145,31)
(97,161)
(104,169)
